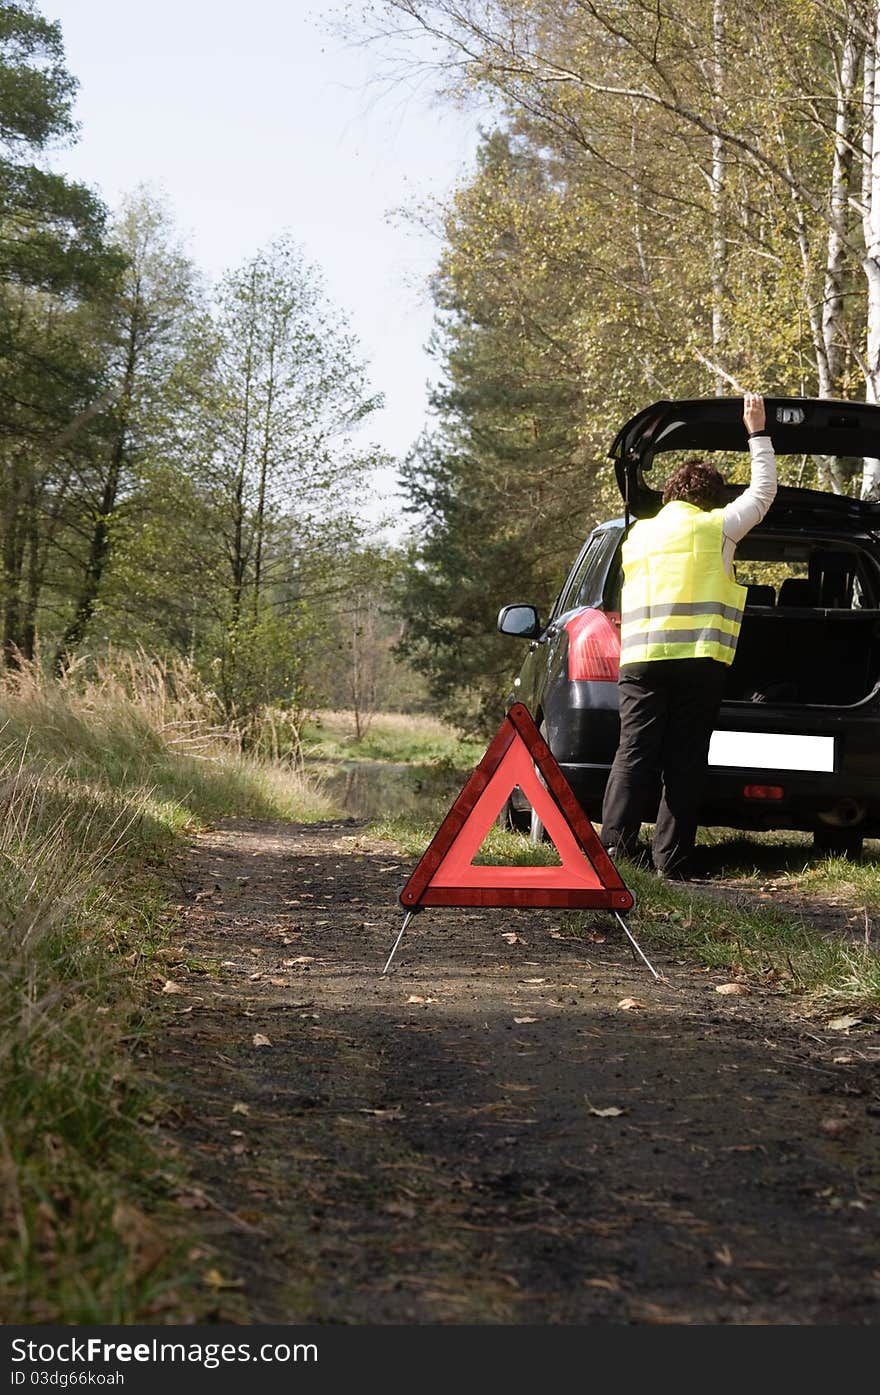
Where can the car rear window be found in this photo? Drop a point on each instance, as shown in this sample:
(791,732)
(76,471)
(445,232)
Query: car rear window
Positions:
(828,574)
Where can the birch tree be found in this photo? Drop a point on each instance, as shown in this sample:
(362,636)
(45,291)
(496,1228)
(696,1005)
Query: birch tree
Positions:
(273,459)
(871,225)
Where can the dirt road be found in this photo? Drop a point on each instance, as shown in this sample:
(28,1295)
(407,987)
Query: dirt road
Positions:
(486,1135)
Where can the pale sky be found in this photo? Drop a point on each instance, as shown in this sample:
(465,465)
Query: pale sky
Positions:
(255,121)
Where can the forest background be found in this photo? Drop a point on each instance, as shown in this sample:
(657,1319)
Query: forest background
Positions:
(669,200)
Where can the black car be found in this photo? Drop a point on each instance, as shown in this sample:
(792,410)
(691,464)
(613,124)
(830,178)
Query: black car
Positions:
(797,744)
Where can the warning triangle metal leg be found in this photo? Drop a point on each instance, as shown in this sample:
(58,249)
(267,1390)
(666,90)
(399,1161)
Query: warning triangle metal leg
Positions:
(635,945)
(406,920)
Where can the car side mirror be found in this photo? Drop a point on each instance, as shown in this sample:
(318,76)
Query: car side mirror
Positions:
(521,621)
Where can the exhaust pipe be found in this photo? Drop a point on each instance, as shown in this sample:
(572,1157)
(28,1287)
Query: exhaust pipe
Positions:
(846,813)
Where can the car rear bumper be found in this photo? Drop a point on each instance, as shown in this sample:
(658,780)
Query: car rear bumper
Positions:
(808,801)
(583,732)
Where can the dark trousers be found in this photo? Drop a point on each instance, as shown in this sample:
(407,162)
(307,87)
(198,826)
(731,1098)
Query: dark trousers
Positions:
(668,709)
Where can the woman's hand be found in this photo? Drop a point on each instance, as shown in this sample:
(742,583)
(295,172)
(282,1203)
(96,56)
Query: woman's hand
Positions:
(754,414)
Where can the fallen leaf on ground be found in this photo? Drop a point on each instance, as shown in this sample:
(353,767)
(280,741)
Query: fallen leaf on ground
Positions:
(843,1024)
(214,1279)
(169,986)
(260,1040)
(731,989)
(630,1004)
(415,998)
(511,937)
(612,1112)
(525,1019)
(835,1124)
(192,1201)
(241,1108)
(142,1239)
(171,955)
(401,1208)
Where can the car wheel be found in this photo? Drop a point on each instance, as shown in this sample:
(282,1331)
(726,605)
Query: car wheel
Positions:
(838,842)
(537,832)
(510,817)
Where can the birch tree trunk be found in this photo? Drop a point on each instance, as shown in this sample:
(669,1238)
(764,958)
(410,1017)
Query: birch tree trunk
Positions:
(719,245)
(841,177)
(833,471)
(871,207)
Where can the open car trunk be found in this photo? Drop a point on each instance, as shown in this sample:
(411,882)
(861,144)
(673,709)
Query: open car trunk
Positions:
(804,655)
(811,632)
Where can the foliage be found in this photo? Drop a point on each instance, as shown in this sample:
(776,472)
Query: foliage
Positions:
(352,661)
(667,206)
(246,504)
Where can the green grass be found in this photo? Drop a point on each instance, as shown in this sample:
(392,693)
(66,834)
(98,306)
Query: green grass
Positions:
(99,780)
(786,861)
(390,736)
(825,972)
(500,848)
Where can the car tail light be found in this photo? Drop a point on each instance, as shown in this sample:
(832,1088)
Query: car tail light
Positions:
(763,792)
(594,646)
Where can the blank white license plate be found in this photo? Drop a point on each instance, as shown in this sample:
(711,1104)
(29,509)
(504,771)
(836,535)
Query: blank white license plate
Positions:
(770,750)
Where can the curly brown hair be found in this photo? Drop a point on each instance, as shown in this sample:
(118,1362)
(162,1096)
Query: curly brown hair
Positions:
(698,482)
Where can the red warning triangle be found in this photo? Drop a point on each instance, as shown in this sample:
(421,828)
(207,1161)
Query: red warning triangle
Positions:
(446,875)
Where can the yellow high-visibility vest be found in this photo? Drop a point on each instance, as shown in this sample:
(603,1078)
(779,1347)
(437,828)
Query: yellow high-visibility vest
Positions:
(678,601)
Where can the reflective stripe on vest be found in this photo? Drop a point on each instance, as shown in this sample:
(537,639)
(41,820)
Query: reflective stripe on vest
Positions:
(678,602)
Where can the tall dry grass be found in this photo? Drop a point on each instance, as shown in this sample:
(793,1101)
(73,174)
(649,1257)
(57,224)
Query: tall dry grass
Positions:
(100,773)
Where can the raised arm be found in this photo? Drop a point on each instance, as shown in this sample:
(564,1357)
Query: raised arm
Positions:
(748,508)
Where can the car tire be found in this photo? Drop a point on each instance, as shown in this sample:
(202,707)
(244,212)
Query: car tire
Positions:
(519,820)
(537,832)
(838,842)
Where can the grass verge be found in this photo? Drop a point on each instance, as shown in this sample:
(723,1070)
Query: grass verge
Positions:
(99,779)
(827,972)
(754,940)
(786,862)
